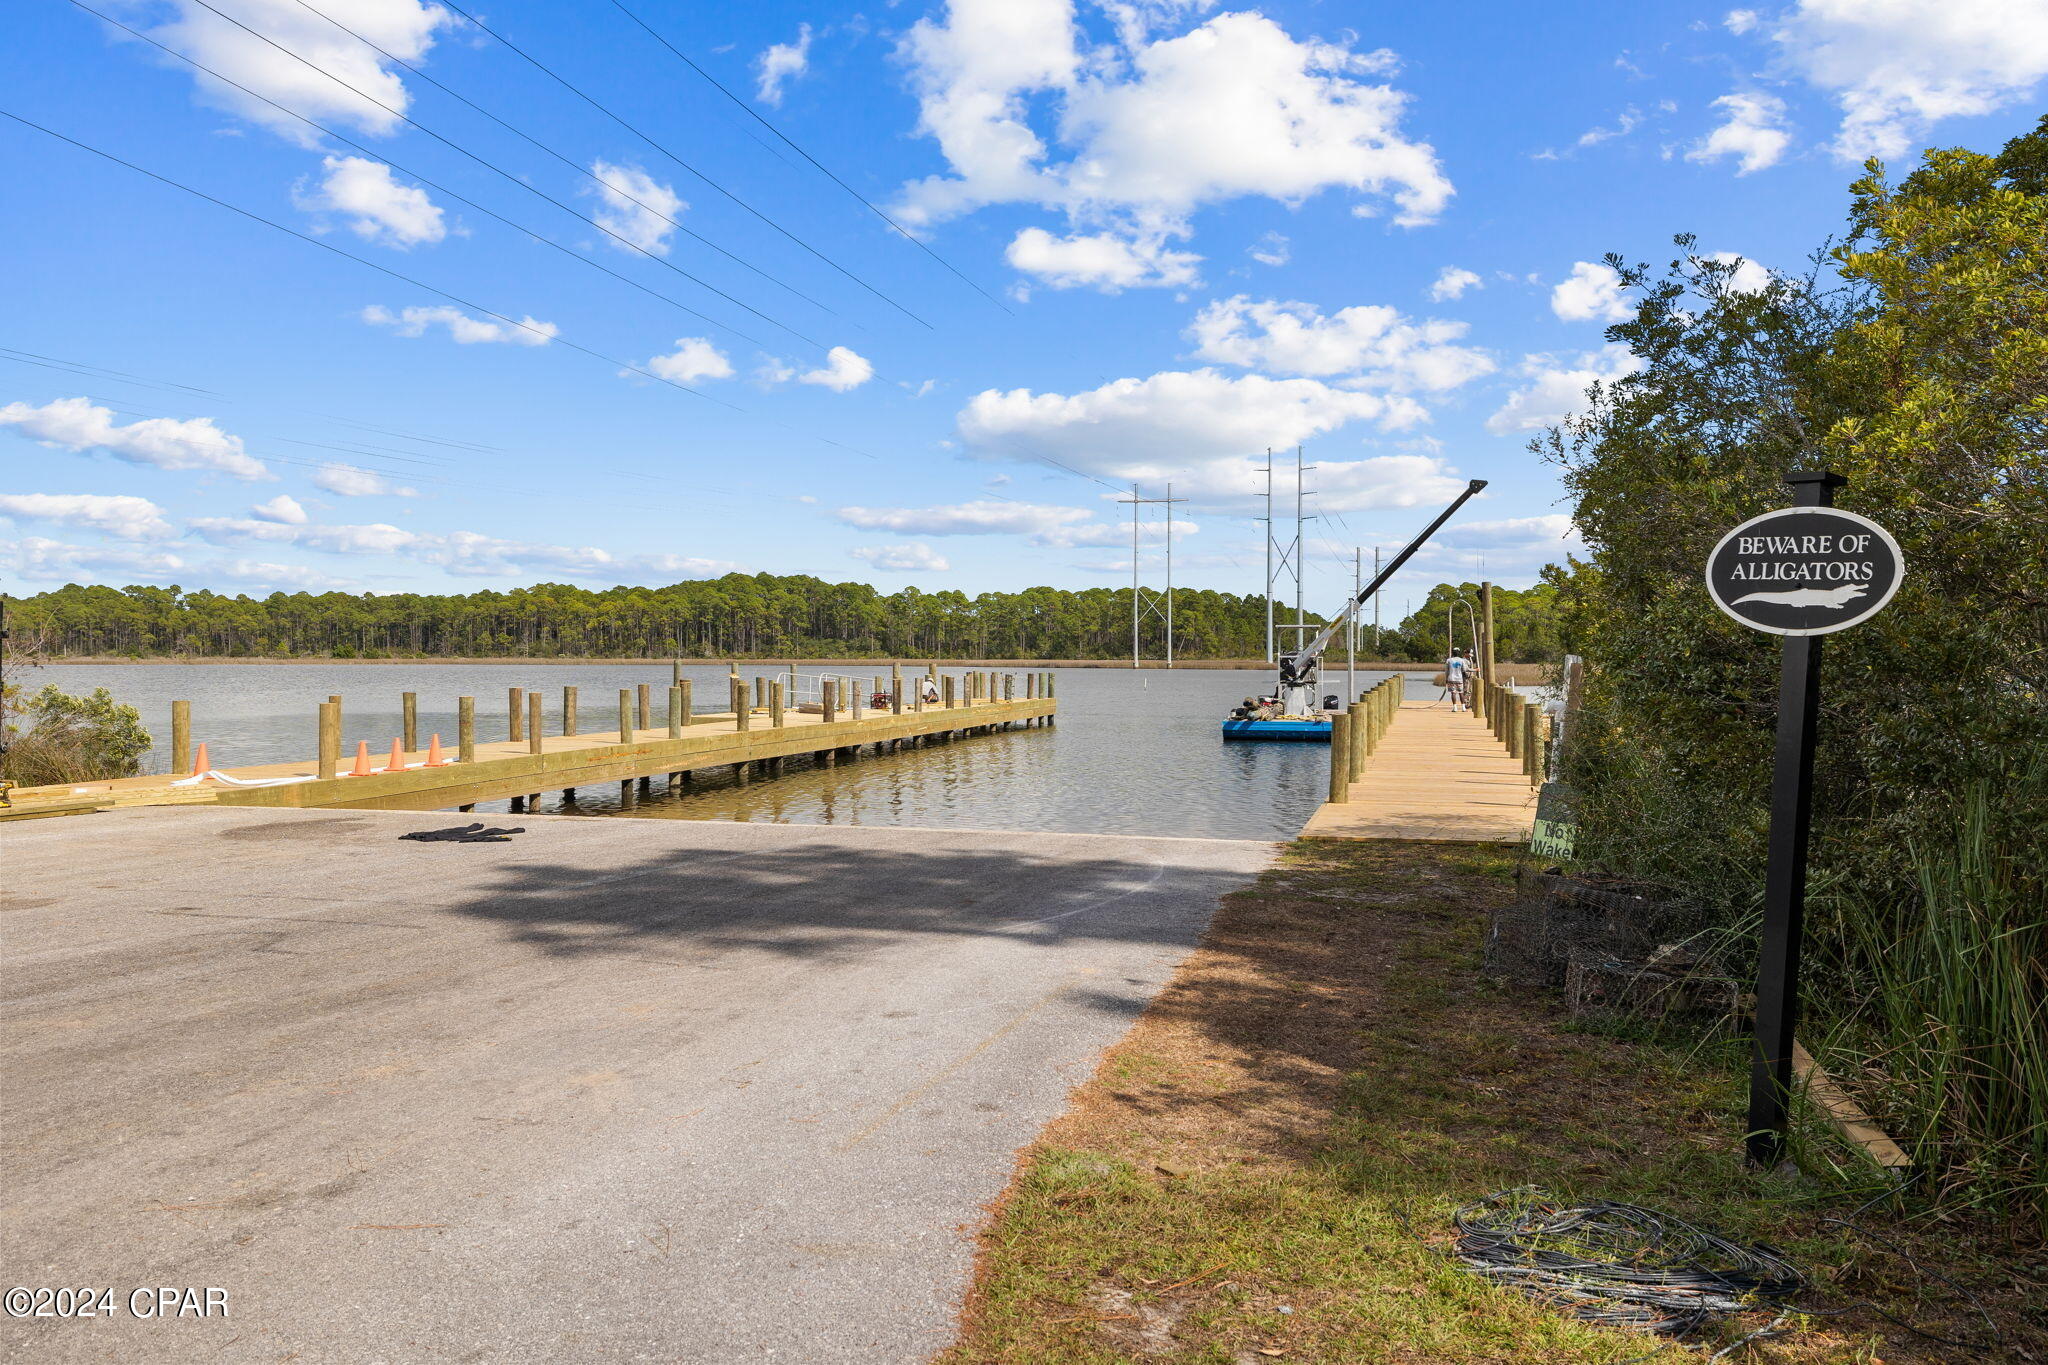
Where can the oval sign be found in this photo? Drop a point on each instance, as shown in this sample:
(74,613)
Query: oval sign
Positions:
(1805,571)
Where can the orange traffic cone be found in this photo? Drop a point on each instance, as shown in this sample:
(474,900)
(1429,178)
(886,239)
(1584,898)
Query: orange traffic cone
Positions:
(201,764)
(396,763)
(362,768)
(434,759)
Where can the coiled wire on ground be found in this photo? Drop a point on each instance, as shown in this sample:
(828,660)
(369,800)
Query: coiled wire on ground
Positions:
(1619,1264)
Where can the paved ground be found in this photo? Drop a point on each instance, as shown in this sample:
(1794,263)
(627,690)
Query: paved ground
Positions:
(616,1090)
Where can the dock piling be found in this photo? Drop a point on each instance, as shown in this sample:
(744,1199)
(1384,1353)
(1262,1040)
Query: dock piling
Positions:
(646,706)
(1340,756)
(742,713)
(181,739)
(625,715)
(515,709)
(675,711)
(330,739)
(533,718)
(777,699)
(465,729)
(409,709)
(828,692)
(568,710)
(681,705)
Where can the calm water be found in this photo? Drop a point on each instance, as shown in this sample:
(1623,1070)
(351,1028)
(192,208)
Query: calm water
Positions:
(1133,752)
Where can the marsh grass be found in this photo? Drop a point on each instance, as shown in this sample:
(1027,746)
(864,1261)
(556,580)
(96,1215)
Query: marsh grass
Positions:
(1944,1026)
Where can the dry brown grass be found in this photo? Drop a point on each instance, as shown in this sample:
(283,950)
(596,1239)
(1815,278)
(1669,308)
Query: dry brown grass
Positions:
(1232,1184)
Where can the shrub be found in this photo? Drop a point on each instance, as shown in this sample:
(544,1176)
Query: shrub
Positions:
(74,739)
(1912,360)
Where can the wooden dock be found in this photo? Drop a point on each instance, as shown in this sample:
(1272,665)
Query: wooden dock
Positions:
(757,743)
(1434,774)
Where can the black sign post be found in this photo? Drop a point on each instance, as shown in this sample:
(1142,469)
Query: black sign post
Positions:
(1801,572)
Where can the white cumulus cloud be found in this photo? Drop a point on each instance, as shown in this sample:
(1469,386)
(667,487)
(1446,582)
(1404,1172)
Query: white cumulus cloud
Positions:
(463,329)
(1171,414)
(1557,387)
(1591,293)
(636,206)
(350,481)
(403,28)
(1271,249)
(1452,281)
(694,358)
(1108,261)
(1896,67)
(1373,344)
(913,558)
(377,538)
(376,207)
(466,553)
(1045,524)
(1202,430)
(1142,131)
(283,508)
(79,424)
(842,370)
(53,561)
(1752,131)
(1512,547)
(118,515)
(1744,276)
(781,62)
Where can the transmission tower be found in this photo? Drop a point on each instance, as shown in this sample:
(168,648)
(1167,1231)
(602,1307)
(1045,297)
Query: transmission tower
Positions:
(1144,603)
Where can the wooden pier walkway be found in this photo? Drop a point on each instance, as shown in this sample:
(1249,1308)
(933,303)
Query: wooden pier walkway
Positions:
(519,768)
(1436,774)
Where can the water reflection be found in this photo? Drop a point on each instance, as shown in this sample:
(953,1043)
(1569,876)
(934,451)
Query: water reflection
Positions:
(1133,752)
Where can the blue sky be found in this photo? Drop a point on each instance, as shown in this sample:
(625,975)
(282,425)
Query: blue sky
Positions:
(1186,233)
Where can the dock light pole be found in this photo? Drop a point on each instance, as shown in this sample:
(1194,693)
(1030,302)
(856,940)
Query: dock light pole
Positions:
(1351,632)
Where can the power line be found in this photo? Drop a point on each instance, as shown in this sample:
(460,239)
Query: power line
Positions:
(80,368)
(455,479)
(565,84)
(566,160)
(455,298)
(498,170)
(538,237)
(53,363)
(361,260)
(761,119)
(419,284)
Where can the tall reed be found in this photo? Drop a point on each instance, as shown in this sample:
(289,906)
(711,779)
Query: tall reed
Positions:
(1950,1034)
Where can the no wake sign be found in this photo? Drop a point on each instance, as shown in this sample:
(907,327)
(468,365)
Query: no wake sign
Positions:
(1804,571)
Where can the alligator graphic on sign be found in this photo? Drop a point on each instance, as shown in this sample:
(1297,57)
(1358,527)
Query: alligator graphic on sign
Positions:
(1810,597)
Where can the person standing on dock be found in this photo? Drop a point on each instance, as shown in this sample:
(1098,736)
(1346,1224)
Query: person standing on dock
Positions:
(1457,673)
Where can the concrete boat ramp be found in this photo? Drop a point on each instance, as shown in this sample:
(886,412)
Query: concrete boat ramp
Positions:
(613,1090)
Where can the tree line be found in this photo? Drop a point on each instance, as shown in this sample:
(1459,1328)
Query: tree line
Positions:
(739,615)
